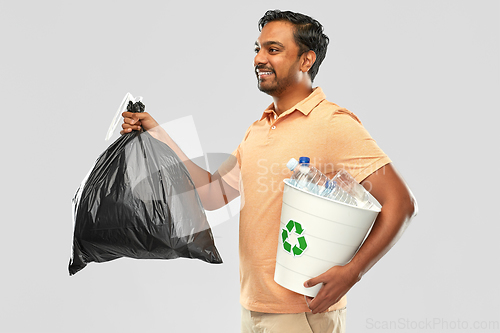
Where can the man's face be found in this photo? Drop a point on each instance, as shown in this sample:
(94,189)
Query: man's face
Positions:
(276,61)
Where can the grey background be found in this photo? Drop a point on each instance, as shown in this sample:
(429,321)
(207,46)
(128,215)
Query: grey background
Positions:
(423,76)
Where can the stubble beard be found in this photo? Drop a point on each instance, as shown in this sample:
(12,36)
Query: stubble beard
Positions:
(277,87)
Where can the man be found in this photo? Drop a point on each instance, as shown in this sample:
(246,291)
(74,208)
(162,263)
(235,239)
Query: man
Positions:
(299,122)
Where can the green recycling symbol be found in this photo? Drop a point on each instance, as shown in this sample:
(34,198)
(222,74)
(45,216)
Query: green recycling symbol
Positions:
(300,246)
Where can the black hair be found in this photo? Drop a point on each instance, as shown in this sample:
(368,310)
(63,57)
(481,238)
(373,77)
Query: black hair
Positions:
(308,34)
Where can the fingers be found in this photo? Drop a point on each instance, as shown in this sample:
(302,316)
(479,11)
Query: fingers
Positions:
(131,118)
(312,302)
(131,122)
(319,303)
(326,297)
(314,281)
(142,119)
(128,130)
(135,115)
(309,299)
(336,283)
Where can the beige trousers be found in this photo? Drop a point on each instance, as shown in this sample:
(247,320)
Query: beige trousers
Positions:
(306,322)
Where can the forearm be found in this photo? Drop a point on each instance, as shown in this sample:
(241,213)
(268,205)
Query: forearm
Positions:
(199,176)
(388,228)
(209,186)
(398,208)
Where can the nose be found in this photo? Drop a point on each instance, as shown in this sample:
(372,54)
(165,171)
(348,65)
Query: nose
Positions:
(260,58)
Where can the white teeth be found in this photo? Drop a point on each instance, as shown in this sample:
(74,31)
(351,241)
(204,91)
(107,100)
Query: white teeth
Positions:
(264,73)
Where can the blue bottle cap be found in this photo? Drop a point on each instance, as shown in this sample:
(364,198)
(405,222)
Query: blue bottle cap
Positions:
(304,160)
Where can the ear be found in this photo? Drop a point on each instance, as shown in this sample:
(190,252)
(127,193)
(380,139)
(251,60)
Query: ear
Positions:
(308,59)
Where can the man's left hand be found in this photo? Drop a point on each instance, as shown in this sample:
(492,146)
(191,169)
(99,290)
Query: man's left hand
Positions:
(336,283)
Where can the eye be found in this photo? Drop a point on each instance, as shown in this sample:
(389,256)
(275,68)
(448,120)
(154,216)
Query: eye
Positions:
(257,50)
(273,50)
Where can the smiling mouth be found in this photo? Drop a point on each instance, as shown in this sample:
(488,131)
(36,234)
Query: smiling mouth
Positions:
(263,74)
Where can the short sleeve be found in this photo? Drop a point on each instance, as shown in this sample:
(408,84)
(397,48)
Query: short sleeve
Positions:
(352,148)
(229,170)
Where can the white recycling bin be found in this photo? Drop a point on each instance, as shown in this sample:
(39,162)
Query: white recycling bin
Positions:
(316,234)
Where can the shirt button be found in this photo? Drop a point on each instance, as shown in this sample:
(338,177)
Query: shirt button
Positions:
(274,127)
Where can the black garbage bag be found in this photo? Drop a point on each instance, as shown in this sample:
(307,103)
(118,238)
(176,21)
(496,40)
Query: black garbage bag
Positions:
(139,201)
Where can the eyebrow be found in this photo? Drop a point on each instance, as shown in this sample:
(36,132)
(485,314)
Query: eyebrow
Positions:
(268,43)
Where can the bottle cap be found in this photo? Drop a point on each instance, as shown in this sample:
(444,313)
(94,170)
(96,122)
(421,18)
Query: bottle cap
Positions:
(304,159)
(292,164)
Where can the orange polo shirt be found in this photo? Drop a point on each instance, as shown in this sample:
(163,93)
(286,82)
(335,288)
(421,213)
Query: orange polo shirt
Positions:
(333,138)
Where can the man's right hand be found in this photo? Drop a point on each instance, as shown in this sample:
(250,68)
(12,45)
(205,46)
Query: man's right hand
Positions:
(133,122)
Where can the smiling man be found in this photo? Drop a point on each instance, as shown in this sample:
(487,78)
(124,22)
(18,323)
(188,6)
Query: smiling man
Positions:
(282,65)
(299,122)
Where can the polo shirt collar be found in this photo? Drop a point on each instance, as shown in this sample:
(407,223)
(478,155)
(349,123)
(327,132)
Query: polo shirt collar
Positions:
(305,106)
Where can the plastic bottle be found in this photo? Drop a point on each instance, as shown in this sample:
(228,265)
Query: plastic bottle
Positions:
(338,194)
(345,181)
(311,179)
(307,177)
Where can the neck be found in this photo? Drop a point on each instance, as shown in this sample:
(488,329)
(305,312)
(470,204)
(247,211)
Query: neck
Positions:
(291,97)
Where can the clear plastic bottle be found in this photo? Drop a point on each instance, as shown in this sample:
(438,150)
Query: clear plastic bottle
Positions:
(311,179)
(338,194)
(307,177)
(345,181)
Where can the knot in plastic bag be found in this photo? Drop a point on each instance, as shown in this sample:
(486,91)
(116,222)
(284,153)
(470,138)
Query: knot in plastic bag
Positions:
(135,107)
